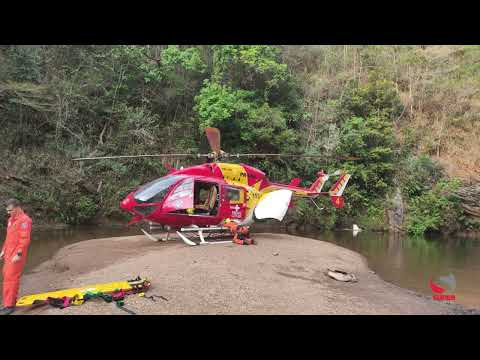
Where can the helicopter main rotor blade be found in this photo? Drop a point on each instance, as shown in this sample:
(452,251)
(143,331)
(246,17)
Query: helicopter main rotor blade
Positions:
(141,156)
(213,137)
(213,155)
(293,155)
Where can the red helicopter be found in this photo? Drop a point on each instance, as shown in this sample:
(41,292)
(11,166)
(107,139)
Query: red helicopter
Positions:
(198,199)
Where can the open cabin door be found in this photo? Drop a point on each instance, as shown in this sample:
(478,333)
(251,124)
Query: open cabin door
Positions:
(273,205)
(181,198)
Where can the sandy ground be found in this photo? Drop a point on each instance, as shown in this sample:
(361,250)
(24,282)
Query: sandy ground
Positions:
(283,274)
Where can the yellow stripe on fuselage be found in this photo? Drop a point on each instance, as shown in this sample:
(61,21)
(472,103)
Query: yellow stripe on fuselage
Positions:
(235,174)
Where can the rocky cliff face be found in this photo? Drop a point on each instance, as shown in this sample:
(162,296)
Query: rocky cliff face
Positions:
(396,213)
(470,197)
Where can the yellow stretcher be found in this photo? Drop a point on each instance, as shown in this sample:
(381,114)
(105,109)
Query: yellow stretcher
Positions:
(136,285)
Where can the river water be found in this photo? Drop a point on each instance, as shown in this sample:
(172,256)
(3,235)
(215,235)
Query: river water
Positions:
(411,262)
(407,262)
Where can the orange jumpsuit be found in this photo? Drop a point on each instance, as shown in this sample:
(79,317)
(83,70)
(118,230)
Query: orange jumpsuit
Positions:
(17,241)
(240,233)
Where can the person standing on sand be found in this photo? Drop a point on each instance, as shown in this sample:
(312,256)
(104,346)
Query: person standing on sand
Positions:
(14,253)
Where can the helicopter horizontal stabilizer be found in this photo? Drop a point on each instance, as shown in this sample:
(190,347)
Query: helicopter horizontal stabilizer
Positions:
(295,182)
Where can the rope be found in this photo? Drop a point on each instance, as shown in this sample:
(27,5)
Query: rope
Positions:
(152,297)
(121,306)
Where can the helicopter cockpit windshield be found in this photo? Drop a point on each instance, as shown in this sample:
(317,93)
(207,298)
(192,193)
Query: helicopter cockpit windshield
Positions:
(155,191)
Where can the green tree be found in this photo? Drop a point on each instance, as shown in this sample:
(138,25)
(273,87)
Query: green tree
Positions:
(434,210)
(372,141)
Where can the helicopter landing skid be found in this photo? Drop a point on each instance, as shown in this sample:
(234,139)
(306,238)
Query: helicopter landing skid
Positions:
(153,238)
(211,232)
(195,233)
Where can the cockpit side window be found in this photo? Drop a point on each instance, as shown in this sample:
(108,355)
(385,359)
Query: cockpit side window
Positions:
(156,190)
(234,195)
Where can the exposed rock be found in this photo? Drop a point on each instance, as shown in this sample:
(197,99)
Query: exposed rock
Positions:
(397,213)
(470,198)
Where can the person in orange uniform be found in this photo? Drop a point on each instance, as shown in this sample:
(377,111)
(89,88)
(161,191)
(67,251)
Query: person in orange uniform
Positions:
(14,253)
(241,234)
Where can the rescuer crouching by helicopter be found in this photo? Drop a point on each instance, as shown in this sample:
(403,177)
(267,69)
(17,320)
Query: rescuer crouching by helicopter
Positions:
(241,234)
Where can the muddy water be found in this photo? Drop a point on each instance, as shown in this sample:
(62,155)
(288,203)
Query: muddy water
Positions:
(406,262)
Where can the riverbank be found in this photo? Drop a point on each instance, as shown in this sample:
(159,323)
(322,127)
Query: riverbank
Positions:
(283,274)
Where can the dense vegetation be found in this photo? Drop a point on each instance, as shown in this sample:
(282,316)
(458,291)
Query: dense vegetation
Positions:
(410,113)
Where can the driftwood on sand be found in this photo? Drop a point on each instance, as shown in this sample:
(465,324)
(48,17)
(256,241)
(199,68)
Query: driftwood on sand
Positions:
(341,275)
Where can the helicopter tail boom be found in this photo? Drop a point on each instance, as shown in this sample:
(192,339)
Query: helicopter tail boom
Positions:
(335,192)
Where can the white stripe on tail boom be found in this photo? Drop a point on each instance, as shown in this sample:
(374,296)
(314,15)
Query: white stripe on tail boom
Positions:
(338,188)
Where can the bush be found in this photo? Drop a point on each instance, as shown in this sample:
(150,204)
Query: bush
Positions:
(366,112)
(435,210)
(376,97)
(371,140)
(87,208)
(419,174)
(78,212)
(305,213)
(374,217)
